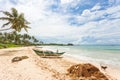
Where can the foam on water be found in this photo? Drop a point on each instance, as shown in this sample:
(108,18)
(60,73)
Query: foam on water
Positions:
(109,55)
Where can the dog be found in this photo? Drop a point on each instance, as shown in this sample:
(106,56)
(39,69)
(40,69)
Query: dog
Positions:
(103,67)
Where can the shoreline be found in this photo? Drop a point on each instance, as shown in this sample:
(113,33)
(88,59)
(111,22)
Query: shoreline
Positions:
(36,68)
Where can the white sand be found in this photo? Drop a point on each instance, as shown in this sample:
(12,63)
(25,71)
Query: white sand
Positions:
(36,68)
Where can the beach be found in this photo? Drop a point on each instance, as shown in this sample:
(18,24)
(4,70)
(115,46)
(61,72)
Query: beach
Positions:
(37,68)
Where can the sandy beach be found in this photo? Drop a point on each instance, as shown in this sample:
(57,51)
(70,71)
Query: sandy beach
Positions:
(36,68)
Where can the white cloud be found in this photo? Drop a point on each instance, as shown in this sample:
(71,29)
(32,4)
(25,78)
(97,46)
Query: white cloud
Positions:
(116,2)
(66,1)
(86,13)
(45,23)
(104,31)
(96,7)
(114,9)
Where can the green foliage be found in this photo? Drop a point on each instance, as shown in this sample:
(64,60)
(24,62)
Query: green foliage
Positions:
(14,20)
(70,44)
(9,45)
(14,39)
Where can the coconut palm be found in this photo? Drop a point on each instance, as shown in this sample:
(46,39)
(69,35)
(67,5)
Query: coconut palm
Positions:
(15,20)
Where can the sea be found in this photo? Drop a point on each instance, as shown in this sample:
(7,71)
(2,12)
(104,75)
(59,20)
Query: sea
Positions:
(104,55)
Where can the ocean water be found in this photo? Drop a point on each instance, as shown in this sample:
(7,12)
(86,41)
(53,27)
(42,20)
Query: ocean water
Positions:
(109,55)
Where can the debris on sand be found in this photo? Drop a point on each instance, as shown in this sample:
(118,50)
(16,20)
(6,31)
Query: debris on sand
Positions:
(16,59)
(86,71)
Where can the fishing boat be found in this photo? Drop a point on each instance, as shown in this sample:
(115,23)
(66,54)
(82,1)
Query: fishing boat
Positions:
(47,53)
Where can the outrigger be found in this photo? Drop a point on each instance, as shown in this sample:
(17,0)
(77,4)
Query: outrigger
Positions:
(47,53)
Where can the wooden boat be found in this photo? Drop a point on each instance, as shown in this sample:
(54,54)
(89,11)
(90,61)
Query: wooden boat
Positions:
(48,53)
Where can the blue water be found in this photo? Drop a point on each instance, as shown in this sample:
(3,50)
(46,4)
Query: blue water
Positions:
(103,54)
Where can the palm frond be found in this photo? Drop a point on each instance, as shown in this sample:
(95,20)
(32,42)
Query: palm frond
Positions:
(21,15)
(26,22)
(14,12)
(5,18)
(5,24)
(5,29)
(25,29)
(7,14)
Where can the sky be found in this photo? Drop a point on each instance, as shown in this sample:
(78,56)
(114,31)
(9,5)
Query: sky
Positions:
(70,21)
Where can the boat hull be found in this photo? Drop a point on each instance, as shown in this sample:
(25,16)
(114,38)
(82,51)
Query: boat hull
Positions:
(47,53)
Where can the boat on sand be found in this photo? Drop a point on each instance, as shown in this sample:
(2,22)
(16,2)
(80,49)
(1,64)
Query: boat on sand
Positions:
(48,53)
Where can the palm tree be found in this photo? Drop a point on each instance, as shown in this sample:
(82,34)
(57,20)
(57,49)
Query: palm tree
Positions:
(15,20)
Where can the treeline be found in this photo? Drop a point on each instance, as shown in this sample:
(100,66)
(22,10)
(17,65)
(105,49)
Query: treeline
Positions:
(18,39)
(57,44)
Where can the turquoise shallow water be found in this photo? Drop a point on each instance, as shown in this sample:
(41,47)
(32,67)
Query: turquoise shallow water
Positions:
(103,54)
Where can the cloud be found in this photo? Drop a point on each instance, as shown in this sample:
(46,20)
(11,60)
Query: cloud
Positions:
(64,21)
(96,7)
(66,1)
